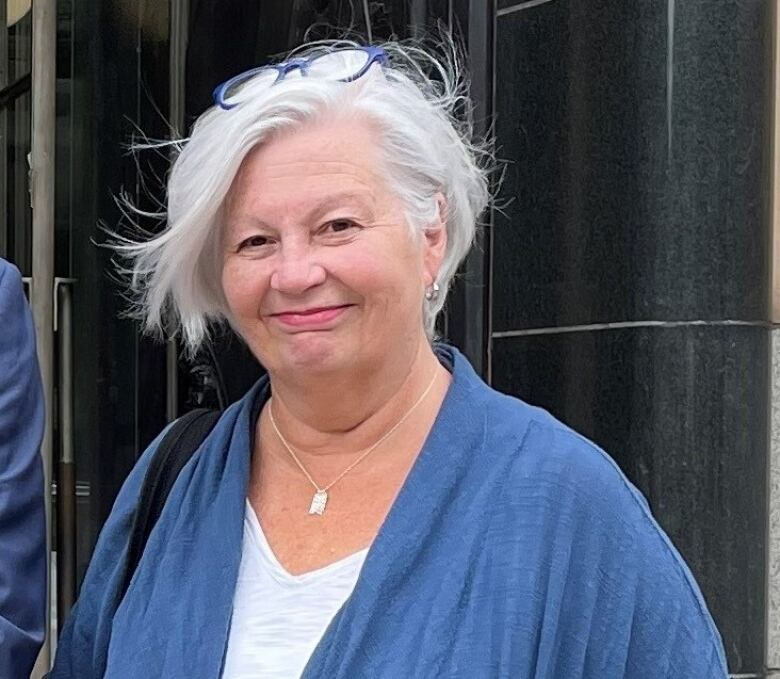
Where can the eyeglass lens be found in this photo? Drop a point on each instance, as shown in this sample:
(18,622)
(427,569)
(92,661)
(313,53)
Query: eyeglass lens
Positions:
(262,79)
(338,65)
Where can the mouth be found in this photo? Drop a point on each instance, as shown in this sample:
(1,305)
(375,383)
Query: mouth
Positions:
(314,318)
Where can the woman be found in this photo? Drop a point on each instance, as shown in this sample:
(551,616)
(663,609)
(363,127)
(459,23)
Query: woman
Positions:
(371,509)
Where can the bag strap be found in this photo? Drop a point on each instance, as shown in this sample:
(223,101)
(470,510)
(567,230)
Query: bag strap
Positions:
(174,451)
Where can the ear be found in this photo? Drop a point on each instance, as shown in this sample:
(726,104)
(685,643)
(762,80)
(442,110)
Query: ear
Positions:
(435,241)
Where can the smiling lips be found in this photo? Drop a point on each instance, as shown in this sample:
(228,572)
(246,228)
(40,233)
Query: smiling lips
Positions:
(316,318)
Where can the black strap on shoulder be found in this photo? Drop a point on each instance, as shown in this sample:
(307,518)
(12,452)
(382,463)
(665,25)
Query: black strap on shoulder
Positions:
(175,450)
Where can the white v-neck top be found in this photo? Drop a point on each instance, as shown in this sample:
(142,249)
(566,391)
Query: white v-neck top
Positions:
(279,618)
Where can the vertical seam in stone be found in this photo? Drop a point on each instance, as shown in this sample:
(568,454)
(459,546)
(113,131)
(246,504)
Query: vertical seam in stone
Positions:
(669,76)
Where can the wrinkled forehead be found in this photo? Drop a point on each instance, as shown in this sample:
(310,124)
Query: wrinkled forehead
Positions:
(301,169)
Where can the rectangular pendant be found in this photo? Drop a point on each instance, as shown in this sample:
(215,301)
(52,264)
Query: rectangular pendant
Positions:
(318,502)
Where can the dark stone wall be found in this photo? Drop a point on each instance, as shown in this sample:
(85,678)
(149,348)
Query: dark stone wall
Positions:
(630,272)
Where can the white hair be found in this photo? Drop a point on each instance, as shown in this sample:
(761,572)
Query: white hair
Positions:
(419,103)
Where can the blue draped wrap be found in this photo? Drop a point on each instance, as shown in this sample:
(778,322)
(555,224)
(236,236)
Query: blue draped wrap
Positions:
(515,549)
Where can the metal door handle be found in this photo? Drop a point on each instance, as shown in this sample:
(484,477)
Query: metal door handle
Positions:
(66,473)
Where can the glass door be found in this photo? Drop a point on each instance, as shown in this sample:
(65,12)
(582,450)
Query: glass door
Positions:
(15,121)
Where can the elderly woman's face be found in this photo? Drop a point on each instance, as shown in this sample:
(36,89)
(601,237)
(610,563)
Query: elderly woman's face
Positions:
(320,270)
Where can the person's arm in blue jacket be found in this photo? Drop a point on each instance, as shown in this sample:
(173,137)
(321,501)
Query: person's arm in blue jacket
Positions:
(22,520)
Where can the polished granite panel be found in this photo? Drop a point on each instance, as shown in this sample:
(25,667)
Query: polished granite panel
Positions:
(683,412)
(638,162)
(773,575)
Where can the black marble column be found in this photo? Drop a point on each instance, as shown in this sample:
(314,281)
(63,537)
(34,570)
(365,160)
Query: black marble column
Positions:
(630,274)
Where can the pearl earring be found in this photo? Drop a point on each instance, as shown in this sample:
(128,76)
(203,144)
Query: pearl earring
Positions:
(433,292)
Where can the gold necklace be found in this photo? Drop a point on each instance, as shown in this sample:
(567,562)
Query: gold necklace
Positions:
(320,499)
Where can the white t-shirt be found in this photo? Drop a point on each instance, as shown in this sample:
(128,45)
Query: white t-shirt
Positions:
(279,618)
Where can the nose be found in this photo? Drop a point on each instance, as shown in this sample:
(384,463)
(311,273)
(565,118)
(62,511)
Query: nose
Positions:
(296,271)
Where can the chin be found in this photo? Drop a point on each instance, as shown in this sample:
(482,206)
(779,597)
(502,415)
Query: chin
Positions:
(315,352)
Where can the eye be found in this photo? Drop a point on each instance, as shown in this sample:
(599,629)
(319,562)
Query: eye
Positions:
(339,226)
(253,242)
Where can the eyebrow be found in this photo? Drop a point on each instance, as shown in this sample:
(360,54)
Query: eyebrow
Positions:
(335,200)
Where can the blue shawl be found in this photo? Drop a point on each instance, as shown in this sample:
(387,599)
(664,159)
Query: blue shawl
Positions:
(516,548)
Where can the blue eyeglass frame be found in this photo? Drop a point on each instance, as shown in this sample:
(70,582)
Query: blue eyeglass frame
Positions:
(376,55)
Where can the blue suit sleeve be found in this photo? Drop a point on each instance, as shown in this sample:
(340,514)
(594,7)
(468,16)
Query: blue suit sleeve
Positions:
(22,517)
(83,645)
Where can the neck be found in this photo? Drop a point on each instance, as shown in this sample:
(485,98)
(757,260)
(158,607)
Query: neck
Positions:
(345,414)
